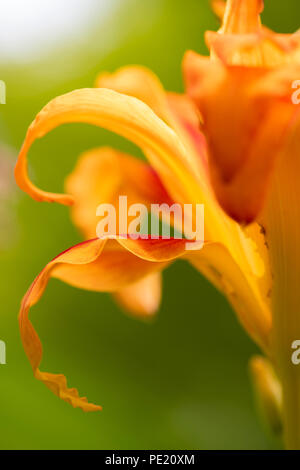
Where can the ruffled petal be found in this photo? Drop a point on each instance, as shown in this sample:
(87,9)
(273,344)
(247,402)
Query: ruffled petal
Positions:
(98,265)
(81,254)
(122,114)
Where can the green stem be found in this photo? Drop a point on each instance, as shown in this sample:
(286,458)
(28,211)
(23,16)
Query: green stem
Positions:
(283,236)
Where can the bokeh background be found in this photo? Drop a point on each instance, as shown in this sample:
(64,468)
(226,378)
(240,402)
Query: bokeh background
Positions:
(179,382)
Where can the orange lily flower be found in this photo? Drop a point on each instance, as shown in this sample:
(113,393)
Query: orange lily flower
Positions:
(244,93)
(166,126)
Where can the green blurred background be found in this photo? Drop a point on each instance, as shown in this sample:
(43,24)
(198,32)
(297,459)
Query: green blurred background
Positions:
(180,382)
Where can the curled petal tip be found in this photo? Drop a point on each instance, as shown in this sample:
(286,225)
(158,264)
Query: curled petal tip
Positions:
(123,262)
(57,383)
(24,183)
(116,112)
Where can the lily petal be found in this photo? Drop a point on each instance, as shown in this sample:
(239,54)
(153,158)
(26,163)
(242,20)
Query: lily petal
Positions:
(142,298)
(263,49)
(218,7)
(243,41)
(84,253)
(122,114)
(178,111)
(187,122)
(139,82)
(98,265)
(253,123)
(242,16)
(101,176)
(217,265)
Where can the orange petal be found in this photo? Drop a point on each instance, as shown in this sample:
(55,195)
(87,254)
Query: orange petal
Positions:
(218,7)
(186,121)
(240,287)
(98,265)
(245,127)
(178,111)
(142,298)
(101,176)
(83,253)
(243,41)
(242,16)
(139,82)
(263,49)
(122,114)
